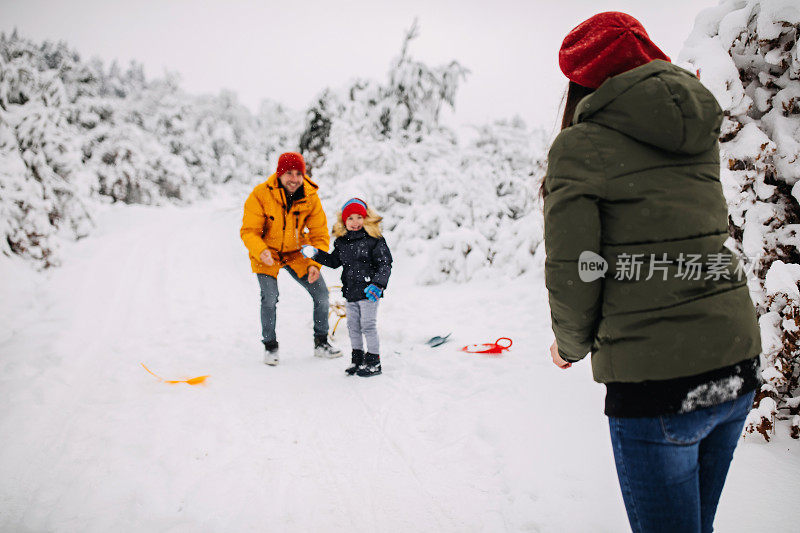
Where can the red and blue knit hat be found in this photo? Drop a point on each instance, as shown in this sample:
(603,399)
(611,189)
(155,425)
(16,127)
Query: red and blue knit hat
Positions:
(354,206)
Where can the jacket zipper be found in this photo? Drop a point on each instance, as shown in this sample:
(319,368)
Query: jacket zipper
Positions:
(283,211)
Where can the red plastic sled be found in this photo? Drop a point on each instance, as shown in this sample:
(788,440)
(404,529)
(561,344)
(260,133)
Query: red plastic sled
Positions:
(490,348)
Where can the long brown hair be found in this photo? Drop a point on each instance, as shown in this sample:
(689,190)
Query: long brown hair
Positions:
(572,96)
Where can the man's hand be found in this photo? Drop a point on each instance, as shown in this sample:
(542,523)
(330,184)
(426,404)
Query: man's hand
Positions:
(313,274)
(266,257)
(557,360)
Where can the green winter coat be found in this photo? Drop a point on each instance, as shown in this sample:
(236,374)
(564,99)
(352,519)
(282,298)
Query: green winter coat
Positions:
(638,173)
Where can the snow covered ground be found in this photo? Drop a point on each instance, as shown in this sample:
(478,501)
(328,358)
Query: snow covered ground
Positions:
(442,441)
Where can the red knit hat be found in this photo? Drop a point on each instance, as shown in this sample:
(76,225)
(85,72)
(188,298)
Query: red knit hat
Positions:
(354,205)
(605,45)
(290,161)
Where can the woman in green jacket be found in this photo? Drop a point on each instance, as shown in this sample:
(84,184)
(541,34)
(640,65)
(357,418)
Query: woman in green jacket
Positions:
(638,273)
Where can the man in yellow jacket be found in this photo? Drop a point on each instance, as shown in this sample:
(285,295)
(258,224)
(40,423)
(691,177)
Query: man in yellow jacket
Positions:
(281,215)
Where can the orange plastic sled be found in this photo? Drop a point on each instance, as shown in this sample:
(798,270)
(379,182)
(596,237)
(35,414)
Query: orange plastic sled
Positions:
(192,381)
(490,348)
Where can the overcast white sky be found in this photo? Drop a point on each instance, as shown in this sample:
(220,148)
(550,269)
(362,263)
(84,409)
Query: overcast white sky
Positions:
(289,51)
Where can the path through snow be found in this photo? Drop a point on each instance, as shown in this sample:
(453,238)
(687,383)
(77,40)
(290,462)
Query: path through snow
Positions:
(442,441)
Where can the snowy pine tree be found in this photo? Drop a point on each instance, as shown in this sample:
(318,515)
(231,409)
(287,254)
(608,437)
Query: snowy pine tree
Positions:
(73,133)
(39,156)
(746,53)
(463,206)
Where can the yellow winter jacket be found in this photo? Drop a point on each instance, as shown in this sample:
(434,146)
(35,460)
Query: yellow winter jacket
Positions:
(268,224)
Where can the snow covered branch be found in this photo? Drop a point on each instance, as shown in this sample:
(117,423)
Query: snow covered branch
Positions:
(73,133)
(746,53)
(465,206)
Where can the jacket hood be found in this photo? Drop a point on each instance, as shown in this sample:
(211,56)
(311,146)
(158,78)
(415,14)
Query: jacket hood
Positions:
(656,103)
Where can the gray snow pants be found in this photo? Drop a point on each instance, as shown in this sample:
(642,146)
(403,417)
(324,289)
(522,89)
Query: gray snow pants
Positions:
(362,320)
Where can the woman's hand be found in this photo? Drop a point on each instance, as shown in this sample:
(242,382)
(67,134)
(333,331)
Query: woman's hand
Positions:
(313,274)
(557,360)
(266,257)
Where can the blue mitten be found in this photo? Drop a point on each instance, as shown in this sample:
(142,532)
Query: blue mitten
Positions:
(373,292)
(308,251)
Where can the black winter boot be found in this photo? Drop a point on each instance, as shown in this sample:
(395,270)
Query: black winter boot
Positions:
(372,365)
(356,362)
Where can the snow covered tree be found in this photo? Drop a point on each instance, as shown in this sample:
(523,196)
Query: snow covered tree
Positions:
(39,155)
(406,108)
(280,129)
(73,133)
(314,141)
(746,53)
(467,206)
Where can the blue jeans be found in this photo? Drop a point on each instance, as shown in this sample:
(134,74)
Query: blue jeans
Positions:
(671,468)
(269,302)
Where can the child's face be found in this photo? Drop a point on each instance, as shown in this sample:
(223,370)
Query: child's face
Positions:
(354,222)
